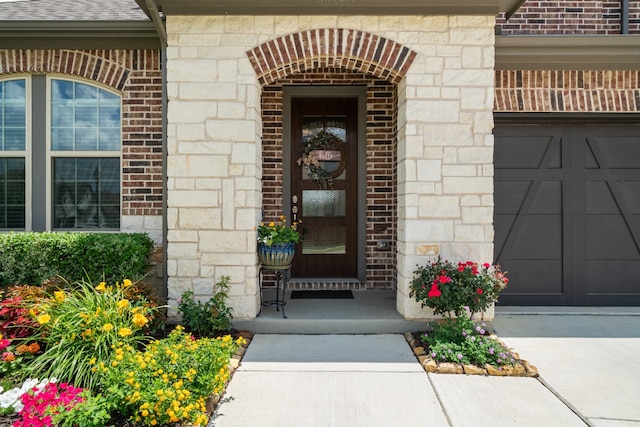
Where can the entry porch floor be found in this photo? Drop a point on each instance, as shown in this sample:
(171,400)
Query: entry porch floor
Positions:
(369,312)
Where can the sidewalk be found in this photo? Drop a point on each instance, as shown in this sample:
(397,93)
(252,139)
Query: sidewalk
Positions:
(587,356)
(375,381)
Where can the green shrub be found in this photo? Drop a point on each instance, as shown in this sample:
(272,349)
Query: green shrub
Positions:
(460,340)
(80,328)
(209,318)
(32,258)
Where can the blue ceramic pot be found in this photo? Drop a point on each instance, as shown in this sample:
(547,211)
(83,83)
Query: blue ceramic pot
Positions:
(276,257)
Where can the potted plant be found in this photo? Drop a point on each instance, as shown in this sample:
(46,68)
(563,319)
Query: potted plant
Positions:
(276,243)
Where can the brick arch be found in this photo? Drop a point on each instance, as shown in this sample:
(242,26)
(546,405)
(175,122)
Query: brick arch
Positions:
(90,64)
(328,48)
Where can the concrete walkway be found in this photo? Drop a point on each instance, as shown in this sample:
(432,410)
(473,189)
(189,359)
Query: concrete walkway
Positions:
(588,357)
(587,363)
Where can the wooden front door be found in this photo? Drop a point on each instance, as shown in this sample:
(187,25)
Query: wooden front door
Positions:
(324,185)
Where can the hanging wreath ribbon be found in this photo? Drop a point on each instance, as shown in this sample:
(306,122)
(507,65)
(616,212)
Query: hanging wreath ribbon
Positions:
(322,147)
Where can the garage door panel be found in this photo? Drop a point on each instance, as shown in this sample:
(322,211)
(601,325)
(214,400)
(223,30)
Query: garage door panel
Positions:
(600,200)
(512,194)
(573,236)
(608,237)
(529,153)
(502,225)
(539,238)
(613,277)
(630,192)
(612,152)
(540,277)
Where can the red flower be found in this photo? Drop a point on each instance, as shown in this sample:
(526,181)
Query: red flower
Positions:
(486,265)
(479,291)
(461,268)
(444,279)
(434,292)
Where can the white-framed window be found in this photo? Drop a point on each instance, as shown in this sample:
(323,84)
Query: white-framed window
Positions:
(72,157)
(14,166)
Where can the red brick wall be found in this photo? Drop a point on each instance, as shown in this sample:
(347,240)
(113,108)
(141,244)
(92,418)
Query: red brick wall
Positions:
(570,17)
(136,74)
(567,91)
(381,160)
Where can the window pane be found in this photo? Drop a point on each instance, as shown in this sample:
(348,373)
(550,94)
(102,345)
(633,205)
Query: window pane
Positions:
(13,107)
(85,194)
(12,193)
(62,115)
(324,240)
(86,139)
(62,139)
(84,118)
(109,139)
(323,203)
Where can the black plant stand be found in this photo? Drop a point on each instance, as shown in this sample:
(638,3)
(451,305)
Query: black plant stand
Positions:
(282,277)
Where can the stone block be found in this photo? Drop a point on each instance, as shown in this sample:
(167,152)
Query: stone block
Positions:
(195,198)
(244,153)
(467,185)
(474,370)
(200,218)
(198,166)
(429,170)
(439,207)
(223,241)
(450,368)
(192,70)
(231,130)
(478,155)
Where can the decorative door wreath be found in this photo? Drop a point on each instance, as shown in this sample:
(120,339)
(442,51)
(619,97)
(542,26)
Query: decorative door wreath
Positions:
(319,148)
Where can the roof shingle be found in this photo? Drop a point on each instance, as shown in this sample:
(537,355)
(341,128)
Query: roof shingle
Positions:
(71,10)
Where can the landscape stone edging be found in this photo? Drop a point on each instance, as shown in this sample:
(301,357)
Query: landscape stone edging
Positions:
(522,368)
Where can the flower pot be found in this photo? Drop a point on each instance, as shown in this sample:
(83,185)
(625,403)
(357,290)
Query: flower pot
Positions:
(276,257)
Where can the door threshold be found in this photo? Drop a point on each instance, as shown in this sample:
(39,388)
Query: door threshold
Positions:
(325,284)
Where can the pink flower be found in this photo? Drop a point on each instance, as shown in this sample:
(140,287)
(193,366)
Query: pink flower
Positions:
(4,343)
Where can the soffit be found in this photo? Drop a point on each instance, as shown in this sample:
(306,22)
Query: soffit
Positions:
(78,35)
(334,7)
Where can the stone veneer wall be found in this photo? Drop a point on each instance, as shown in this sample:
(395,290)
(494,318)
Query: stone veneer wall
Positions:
(381,159)
(137,76)
(594,91)
(444,155)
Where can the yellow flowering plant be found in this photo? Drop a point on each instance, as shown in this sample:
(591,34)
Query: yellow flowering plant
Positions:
(276,232)
(170,380)
(80,327)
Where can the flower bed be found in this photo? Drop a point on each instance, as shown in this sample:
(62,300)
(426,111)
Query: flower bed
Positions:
(96,355)
(456,344)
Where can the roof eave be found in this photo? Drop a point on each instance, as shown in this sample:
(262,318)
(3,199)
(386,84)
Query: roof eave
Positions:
(78,35)
(583,52)
(335,7)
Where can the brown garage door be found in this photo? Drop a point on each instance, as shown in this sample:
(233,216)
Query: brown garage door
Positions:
(567,212)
